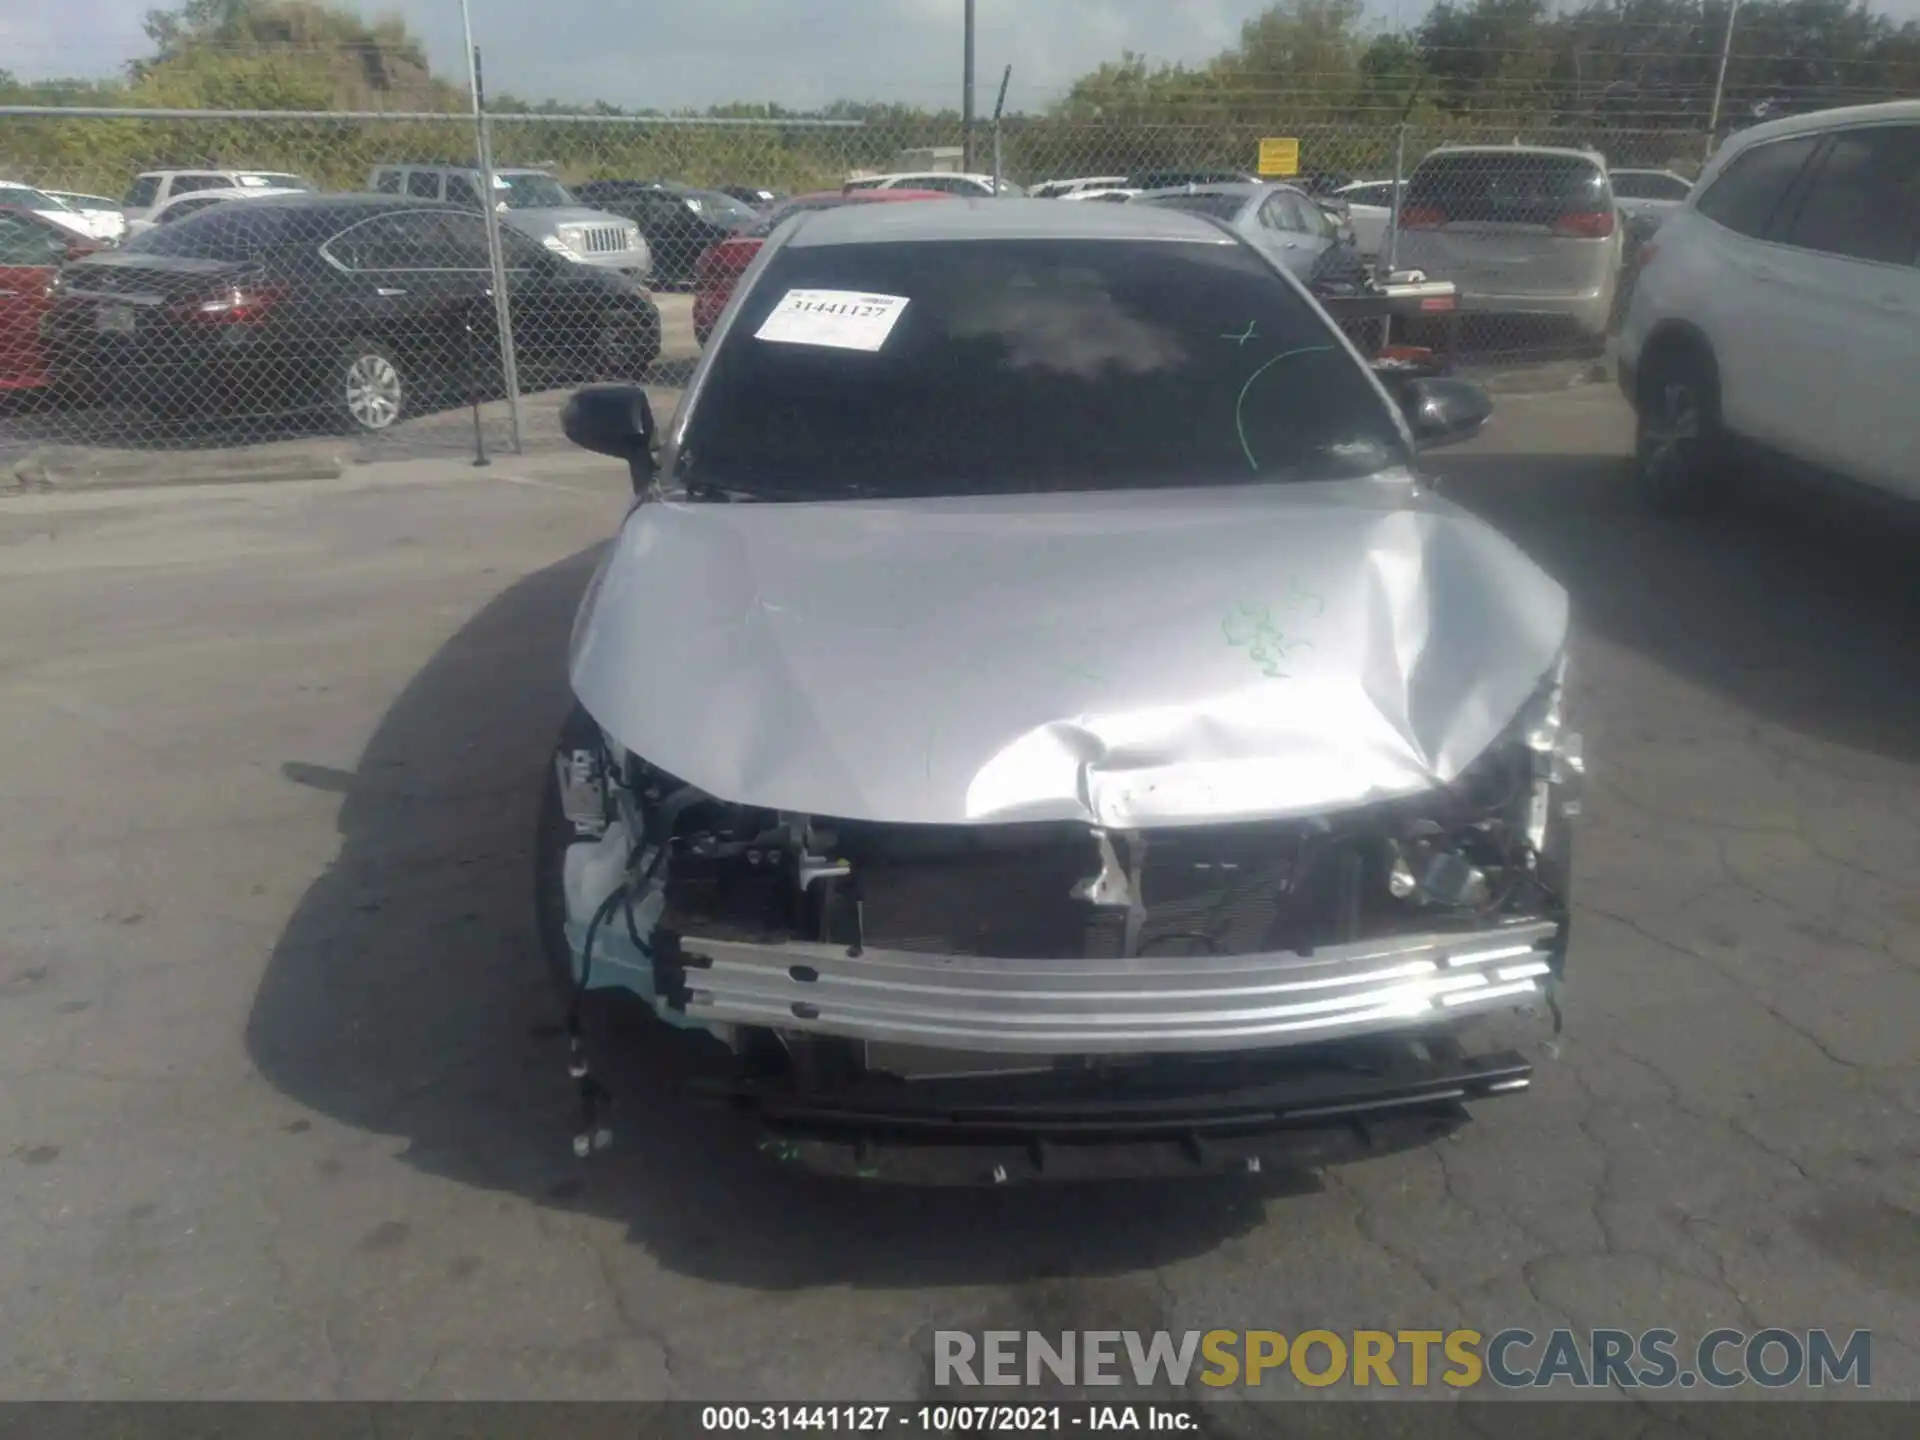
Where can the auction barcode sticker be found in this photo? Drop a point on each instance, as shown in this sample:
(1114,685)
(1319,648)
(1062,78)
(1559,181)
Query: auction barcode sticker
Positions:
(839,319)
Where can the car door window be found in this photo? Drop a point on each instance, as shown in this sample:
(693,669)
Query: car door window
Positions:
(1273,213)
(462,191)
(187,184)
(24,243)
(1863,200)
(387,182)
(142,191)
(1748,192)
(423,185)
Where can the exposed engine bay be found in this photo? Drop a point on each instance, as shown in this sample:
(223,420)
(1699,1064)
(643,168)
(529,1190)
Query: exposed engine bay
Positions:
(1030,985)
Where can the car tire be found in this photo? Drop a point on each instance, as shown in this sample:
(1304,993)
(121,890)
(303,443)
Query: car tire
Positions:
(629,343)
(367,391)
(1679,448)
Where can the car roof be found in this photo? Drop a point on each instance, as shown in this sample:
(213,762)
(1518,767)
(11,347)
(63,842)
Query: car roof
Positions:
(1892,110)
(1567,151)
(1001,219)
(869,197)
(1245,189)
(255,192)
(356,201)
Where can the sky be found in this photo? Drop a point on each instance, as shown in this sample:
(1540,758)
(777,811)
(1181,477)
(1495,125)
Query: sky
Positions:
(670,53)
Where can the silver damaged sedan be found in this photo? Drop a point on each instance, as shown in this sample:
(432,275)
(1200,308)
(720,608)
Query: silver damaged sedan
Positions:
(1034,722)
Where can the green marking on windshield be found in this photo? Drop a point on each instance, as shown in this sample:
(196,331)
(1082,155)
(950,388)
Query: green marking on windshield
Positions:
(1239,423)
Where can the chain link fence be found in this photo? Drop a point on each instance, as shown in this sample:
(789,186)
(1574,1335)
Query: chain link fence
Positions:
(217,309)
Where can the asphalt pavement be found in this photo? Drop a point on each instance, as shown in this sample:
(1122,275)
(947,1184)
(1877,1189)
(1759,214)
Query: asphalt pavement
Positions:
(283,1105)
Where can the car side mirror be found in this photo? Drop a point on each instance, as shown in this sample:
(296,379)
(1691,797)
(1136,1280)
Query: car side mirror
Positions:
(1441,410)
(613,420)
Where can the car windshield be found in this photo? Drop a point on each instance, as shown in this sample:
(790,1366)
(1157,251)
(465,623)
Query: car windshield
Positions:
(531,191)
(31,198)
(721,209)
(1029,365)
(1522,189)
(1221,207)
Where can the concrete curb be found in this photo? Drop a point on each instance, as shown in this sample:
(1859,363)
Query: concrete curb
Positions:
(66,468)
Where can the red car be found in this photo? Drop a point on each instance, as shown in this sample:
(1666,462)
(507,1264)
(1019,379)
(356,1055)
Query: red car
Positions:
(719,269)
(32,250)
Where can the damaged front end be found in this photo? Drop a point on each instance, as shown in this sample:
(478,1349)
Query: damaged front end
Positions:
(1042,999)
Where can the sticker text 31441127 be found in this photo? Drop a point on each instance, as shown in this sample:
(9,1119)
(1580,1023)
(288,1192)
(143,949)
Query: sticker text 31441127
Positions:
(837,319)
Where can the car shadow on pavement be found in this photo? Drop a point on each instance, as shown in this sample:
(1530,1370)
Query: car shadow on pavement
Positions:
(406,997)
(1796,604)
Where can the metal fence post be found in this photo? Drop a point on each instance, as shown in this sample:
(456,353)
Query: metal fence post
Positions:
(1399,182)
(502,303)
(998,106)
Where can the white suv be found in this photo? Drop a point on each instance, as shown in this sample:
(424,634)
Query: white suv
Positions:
(1778,309)
(153,188)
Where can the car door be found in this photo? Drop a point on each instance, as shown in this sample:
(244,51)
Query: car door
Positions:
(30,256)
(1273,231)
(1769,376)
(416,290)
(1851,269)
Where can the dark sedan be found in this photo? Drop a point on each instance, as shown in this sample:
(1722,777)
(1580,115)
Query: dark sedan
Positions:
(361,307)
(680,222)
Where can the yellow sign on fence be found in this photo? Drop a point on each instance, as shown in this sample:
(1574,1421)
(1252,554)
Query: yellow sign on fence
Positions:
(1280,156)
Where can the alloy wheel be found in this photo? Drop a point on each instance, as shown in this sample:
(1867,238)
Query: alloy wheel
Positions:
(374,393)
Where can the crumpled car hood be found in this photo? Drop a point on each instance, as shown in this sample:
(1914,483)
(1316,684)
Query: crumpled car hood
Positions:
(1131,659)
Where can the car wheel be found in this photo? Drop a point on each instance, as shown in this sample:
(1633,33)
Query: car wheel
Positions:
(1678,444)
(628,344)
(369,395)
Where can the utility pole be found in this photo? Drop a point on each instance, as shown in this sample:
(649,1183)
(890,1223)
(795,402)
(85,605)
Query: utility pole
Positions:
(966,97)
(1720,81)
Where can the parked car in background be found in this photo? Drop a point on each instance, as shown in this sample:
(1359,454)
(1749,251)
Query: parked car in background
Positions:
(1281,221)
(49,208)
(1650,193)
(103,216)
(952,182)
(1166,179)
(753,195)
(1519,229)
(32,251)
(1112,195)
(192,203)
(361,308)
(532,202)
(721,267)
(1645,199)
(153,188)
(679,222)
(1204,801)
(1778,307)
(1370,205)
(1058,189)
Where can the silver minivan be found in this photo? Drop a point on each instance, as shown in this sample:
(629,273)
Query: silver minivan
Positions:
(532,202)
(1518,229)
